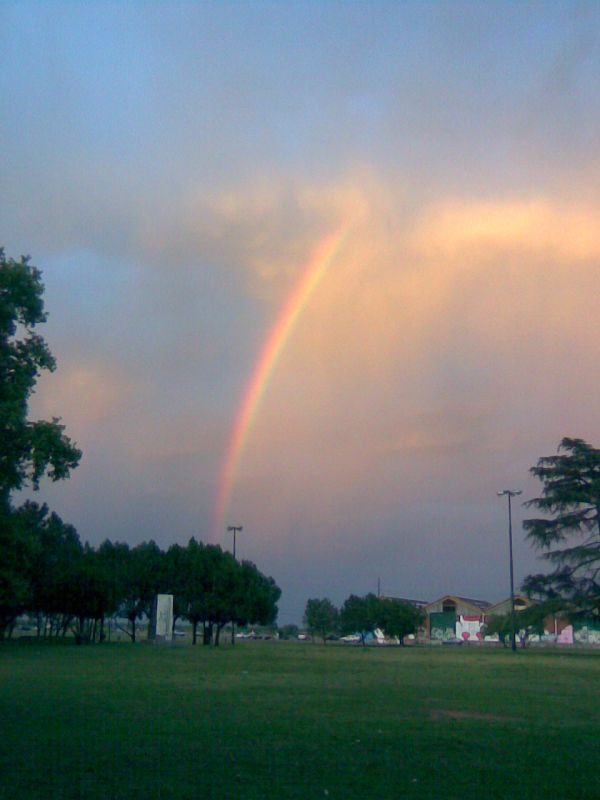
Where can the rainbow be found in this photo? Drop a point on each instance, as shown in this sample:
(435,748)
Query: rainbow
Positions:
(262,373)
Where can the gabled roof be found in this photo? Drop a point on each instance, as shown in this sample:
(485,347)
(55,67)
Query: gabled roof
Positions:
(481,604)
(526,601)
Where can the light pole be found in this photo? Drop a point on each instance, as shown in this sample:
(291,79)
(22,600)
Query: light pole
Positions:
(234,529)
(510,493)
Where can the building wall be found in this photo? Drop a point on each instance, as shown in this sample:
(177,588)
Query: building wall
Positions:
(442,625)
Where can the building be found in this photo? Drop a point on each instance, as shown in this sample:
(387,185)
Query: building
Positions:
(454,617)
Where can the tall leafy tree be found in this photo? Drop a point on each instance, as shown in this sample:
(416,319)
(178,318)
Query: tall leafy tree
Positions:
(398,619)
(28,449)
(321,617)
(86,598)
(194,584)
(175,573)
(256,596)
(360,615)
(569,532)
(224,589)
(113,565)
(18,549)
(58,550)
(143,569)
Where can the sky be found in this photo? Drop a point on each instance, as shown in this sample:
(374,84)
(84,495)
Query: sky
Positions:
(326,270)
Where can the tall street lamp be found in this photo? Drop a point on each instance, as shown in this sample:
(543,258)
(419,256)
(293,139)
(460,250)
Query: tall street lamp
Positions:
(234,529)
(510,493)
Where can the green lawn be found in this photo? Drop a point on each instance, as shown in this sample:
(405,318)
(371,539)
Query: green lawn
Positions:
(287,720)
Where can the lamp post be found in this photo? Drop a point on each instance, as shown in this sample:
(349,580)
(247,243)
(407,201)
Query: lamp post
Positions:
(510,493)
(234,529)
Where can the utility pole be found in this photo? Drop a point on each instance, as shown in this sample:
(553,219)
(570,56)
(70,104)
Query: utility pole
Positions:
(234,529)
(510,493)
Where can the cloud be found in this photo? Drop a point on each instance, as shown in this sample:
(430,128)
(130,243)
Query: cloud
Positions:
(84,394)
(475,230)
(437,341)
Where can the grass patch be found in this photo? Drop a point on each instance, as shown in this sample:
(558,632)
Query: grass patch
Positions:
(284,720)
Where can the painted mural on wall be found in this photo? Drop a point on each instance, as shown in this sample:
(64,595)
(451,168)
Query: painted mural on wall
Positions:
(442,625)
(587,632)
(468,628)
(442,634)
(566,635)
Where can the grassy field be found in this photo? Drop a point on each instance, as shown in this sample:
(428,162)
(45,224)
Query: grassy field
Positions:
(287,720)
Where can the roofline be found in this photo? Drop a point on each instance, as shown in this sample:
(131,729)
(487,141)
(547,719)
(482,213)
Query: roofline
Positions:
(481,604)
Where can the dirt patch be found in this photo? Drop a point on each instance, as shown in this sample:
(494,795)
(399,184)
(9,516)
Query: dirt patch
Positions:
(440,713)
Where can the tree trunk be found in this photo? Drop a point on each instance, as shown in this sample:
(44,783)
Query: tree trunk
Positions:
(207,634)
(194,626)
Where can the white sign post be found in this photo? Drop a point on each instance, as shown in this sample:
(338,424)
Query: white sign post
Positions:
(161,621)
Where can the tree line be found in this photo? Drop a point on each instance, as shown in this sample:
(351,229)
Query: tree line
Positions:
(70,587)
(362,615)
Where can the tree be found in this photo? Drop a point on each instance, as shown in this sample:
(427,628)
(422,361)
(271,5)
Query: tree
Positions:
(112,565)
(175,579)
(500,625)
(58,549)
(528,622)
(289,631)
(224,593)
(143,570)
(321,616)
(360,615)
(398,619)
(193,585)
(215,590)
(256,596)
(28,450)
(17,557)
(88,596)
(569,534)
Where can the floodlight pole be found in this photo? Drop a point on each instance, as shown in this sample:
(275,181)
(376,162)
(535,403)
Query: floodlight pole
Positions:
(234,529)
(510,493)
